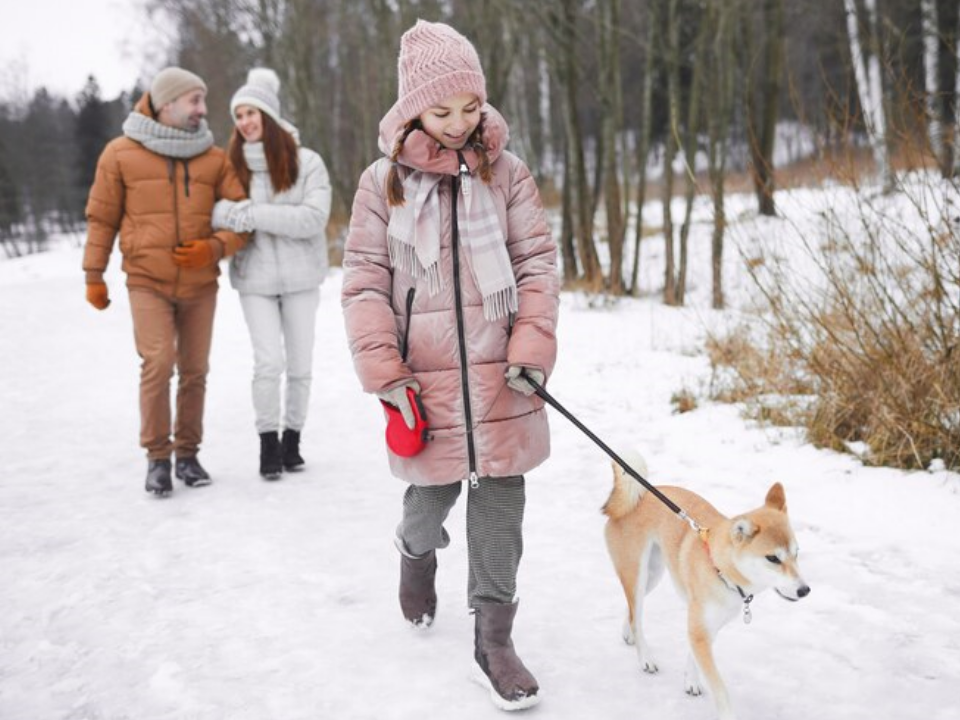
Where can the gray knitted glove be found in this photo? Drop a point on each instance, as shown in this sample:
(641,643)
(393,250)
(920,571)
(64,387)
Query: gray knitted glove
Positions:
(517,382)
(397,397)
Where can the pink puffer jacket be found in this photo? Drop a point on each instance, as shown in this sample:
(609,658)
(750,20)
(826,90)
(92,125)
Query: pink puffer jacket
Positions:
(509,433)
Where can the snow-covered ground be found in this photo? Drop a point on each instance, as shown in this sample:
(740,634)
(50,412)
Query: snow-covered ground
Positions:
(254,601)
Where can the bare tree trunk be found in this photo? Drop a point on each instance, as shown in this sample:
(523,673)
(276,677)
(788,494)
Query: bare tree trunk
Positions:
(589,261)
(643,143)
(690,144)
(953,140)
(672,59)
(567,246)
(609,27)
(762,121)
(719,112)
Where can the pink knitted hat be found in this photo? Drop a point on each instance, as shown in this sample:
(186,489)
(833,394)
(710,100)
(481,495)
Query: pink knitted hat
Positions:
(435,62)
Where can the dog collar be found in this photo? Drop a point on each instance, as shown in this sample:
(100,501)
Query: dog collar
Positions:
(747,599)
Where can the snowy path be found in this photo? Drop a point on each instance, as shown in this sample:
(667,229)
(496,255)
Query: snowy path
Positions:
(255,601)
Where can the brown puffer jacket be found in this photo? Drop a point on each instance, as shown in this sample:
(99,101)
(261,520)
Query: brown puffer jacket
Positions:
(508,432)
(156,203)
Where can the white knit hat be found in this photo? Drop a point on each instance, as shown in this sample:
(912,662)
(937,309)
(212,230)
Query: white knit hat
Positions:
(261,91)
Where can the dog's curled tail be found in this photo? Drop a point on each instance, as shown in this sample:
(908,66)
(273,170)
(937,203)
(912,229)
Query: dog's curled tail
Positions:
(626,491)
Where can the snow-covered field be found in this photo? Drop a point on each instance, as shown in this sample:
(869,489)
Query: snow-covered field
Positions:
(255,601)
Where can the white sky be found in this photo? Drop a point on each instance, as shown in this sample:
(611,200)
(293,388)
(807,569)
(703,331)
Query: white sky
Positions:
(58,43)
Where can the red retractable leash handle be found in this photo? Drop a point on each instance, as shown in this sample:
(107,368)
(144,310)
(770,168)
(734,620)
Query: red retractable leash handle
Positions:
(402,440)
(550,400)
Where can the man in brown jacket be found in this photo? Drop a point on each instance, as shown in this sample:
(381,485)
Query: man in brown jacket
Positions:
(157,186)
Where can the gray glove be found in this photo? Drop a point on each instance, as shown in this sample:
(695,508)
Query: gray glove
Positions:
(397,397)
(515,381)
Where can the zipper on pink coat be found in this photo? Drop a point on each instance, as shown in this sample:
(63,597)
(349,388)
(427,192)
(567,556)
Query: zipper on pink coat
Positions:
(461,335)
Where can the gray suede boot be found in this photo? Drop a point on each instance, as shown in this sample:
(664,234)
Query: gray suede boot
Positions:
(418,594)
(511,685)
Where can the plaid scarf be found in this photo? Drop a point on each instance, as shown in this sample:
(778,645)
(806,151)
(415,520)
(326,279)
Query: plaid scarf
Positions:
(414,239)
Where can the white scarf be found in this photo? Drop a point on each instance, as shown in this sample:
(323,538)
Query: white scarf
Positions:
(414,239)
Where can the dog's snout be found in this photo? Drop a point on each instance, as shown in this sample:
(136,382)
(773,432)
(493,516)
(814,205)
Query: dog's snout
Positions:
(803,591)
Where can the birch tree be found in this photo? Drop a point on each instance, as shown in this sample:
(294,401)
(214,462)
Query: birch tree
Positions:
(931,76)
(868,73)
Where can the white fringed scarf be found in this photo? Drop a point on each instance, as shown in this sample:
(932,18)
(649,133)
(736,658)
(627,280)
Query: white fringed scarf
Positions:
(414,239)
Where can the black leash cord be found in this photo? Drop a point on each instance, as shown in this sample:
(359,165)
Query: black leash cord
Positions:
(550,400)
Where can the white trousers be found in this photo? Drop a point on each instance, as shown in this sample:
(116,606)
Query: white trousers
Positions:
(282,333)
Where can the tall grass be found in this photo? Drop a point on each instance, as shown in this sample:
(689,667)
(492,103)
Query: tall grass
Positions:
(861,339)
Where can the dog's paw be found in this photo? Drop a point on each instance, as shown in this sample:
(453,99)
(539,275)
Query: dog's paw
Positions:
(627,633)
(692,686)
(649,663)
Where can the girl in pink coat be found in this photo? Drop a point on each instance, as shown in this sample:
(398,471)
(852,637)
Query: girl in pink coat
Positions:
(451,289)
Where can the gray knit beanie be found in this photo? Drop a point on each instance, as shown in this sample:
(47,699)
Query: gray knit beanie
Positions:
(261,91)
(172,82)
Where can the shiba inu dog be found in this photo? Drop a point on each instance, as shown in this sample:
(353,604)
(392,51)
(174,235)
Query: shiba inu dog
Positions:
(718,575)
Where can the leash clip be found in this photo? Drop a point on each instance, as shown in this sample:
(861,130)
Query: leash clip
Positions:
(703,532)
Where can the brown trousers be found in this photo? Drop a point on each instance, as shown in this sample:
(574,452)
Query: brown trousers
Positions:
(172,332)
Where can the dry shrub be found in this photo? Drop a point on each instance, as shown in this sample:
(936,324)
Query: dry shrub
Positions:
(898,393)
(872,327)
(683,401)
(763,376)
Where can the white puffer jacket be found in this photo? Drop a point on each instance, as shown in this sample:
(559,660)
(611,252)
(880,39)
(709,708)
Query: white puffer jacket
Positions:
(288,250)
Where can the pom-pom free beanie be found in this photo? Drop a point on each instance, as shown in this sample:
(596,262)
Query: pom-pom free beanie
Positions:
(262,91)
(435,62)
(172,82)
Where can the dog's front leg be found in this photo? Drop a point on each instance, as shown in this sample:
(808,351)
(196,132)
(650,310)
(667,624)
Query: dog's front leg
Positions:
(702,665)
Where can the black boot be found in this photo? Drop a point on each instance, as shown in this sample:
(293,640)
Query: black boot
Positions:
(159,481)
(271,456)
(292,461)
(418,594)
(511,685)
(191,472)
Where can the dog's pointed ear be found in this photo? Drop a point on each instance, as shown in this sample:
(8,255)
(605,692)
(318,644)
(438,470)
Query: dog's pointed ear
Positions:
(776,498)
(743,529)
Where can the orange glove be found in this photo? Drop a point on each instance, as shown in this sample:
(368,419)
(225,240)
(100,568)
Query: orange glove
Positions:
(198,254)
(98,295)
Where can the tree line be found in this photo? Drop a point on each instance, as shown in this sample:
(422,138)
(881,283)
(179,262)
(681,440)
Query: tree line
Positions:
(612,103)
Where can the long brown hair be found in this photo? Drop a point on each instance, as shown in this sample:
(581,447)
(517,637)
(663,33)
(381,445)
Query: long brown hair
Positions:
(475,143)
(280,149)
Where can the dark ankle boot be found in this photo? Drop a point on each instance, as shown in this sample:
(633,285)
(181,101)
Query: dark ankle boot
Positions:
(418,594)
(271,456)
(292,461)
(511,685)
(159,481)
(191,472)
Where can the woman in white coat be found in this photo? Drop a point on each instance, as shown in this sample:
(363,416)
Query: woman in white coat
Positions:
(278,274)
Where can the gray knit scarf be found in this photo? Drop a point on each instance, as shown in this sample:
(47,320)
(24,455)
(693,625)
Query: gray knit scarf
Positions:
(165,140)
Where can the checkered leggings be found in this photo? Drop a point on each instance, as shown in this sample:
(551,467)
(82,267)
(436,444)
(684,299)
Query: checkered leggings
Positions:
(494,531)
